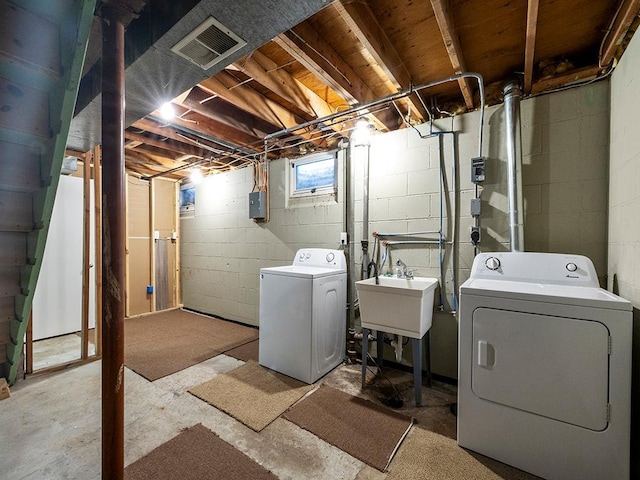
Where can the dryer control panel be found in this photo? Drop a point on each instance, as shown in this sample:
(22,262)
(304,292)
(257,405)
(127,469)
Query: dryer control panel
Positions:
(321,257)
(547,268)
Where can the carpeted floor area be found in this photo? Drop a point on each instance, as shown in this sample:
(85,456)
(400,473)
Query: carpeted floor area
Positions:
(252,394)
(367,431)
(246,352)
(163,343)
(196,454)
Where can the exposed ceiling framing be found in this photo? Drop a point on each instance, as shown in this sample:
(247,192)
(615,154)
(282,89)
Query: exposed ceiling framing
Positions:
(347,53)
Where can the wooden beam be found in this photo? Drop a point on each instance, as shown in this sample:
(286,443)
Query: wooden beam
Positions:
(552,83)
(530,44)
(306,45)
(441,9)
(364,24)
(229,88)
(266,72)
(613,37)
(216,108)
(168,144)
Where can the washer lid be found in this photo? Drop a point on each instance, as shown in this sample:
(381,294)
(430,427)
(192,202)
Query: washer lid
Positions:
(301,271)
(549,293)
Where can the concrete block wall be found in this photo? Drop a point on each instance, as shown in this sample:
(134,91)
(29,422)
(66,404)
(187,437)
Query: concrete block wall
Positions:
(624,205)
(565,137)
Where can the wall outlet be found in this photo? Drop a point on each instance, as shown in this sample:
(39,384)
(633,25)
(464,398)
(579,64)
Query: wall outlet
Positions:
(343,238)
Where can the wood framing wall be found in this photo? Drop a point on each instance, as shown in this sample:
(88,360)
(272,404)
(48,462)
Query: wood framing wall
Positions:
(152,245)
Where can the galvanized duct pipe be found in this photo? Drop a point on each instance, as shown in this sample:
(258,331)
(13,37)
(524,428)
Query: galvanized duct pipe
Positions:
(512,96)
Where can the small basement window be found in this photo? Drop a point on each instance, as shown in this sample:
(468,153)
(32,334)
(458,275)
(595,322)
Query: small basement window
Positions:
(313,174)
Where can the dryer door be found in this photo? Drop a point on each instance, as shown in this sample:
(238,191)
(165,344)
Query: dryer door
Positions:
(551,366)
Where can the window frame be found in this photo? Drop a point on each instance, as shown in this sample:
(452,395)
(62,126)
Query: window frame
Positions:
(295,192)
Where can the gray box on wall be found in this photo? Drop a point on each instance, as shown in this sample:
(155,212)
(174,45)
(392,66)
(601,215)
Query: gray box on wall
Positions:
(257,205)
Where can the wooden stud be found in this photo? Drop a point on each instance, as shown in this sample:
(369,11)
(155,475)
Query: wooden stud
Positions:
(97,190)
(530,45)
(86,253)
(177,299)
(29,353)
(152,242)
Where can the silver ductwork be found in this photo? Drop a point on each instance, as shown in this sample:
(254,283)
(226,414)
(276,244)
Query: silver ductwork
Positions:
(512,96)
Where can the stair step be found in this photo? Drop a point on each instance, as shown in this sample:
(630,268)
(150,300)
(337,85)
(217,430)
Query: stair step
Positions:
(16,211)
(35,44)
(13,248)
(9,281)
(7,310)
(19,167)
(24,109)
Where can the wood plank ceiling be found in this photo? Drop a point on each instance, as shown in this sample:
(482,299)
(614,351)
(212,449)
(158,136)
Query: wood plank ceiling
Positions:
(354,52)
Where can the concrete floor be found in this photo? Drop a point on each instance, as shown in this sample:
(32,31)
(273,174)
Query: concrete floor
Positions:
(58,350)
(54,423)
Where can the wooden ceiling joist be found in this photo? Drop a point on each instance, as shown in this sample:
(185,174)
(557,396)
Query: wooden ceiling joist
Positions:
(218,109)
(363,23)
(530,43)
(266,72)
(627,12)
(308,47)
(578,75)
(442,11)
(168,144)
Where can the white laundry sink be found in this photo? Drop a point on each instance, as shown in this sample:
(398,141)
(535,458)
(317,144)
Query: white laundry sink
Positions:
(397,305)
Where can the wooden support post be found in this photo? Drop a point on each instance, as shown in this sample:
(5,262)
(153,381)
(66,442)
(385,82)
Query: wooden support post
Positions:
(113,242)
(97,194)
(86,253)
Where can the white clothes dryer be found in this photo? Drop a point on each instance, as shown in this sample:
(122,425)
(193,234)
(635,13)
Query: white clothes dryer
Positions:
(303,314)
(544,366)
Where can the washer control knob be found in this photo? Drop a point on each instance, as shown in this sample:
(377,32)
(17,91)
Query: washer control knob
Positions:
(330,257)
(492,263)
(308,255)
(572,267)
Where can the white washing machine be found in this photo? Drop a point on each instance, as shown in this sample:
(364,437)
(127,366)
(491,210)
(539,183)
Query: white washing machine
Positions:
(303,314)
(544,366)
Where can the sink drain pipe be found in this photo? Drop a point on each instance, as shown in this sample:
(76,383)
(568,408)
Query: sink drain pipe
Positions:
(512,96)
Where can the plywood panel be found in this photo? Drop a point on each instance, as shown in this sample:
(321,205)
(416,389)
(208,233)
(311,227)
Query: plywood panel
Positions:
(7,311)
(139,276)
(9,281)
(165,206)
(24,109)
(138,207)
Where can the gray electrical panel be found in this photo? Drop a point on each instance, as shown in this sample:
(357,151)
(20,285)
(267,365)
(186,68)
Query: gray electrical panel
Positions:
(257,207)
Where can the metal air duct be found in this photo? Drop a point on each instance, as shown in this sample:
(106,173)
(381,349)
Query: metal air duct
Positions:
(512,96)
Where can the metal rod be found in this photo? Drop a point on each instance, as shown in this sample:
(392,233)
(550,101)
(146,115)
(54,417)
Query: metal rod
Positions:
(386,235)
(391,243)
(113,246)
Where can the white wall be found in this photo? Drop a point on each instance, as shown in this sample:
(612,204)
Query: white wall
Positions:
(565,137)
(624,205)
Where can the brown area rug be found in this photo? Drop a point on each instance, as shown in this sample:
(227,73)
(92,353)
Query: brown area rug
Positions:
(196,454)
(246,352)
(163,343)
(425,455)
(364,430)
(252,394)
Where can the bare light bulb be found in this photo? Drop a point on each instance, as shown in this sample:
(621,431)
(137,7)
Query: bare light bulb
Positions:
(167,111)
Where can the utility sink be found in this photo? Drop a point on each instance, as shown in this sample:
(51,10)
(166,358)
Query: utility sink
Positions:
(402,306)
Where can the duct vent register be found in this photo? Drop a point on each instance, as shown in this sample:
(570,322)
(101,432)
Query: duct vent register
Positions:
(208,44)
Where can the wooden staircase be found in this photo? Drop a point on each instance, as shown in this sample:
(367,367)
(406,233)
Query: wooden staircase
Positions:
(42,49)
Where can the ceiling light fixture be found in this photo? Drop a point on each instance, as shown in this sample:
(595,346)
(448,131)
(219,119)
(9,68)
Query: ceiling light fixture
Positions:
(167,111)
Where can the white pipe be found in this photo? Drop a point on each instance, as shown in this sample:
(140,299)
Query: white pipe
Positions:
(397,345)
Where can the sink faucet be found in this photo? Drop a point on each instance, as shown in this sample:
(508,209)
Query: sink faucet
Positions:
(404,272)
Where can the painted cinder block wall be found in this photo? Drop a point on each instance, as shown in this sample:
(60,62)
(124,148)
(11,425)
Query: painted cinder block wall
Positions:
(565,182)
(624,208)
